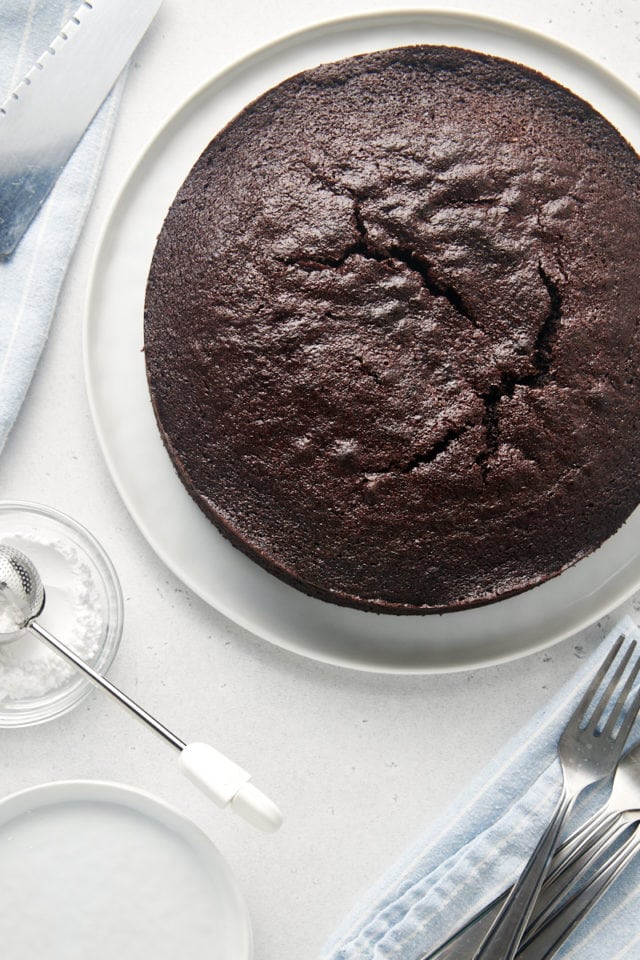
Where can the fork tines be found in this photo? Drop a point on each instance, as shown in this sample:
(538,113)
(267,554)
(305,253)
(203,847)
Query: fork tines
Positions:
(593,721)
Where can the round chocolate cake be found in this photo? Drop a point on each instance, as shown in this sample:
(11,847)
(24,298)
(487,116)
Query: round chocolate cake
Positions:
(392,326)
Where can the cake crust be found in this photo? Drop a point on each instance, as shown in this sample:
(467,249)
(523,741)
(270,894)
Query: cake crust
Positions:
(391,330)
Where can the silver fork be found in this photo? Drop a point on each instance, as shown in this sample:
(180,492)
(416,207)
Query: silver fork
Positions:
(624,798)
(570,861)
(588,750)
(597,834)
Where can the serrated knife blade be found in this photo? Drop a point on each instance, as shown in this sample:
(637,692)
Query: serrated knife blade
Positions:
(43,119)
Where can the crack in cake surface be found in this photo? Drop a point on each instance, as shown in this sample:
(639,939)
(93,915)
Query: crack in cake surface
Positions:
(492,397)
(439,447)
(394,253)
(542,358)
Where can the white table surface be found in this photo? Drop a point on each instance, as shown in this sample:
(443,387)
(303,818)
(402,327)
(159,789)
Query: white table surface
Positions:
(360,763)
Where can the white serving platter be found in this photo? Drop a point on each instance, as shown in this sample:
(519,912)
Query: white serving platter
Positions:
(178,532)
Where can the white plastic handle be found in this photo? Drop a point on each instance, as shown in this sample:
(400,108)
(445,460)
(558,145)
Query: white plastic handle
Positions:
(228,784)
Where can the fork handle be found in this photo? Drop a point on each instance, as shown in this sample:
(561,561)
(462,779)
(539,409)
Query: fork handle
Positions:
(567,858)
(503,939)
(547,941)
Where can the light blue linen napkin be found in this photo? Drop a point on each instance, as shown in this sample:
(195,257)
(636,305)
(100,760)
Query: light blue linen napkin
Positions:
(30,280)
(479,847)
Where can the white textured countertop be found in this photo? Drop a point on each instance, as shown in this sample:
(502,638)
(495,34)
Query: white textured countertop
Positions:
(360,763)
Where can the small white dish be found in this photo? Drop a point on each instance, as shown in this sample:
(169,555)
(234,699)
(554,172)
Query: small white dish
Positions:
(126,427)
(93,869)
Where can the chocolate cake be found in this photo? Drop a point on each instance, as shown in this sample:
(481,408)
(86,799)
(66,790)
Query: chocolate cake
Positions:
(392,325)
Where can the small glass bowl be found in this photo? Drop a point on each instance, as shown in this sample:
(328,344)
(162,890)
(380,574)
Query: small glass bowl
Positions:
(52,540)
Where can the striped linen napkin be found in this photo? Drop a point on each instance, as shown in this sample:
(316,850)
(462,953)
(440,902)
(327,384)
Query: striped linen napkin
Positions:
(480,846)
(30,280)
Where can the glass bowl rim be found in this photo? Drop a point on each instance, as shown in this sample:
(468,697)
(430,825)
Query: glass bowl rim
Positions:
(56,703)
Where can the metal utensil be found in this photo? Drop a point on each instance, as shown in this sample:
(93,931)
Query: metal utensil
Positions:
(599,833)
(559,926)
(570,860)
(45,116)
(623,799)
(22,599)
(567,906)
(588,750)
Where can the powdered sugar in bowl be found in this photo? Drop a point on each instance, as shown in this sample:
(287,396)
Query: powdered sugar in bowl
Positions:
(83,607)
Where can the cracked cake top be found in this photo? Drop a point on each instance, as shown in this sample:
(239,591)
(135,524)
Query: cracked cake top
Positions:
(391,330)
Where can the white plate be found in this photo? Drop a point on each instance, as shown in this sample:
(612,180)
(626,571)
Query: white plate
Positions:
(126,427)
(90,869)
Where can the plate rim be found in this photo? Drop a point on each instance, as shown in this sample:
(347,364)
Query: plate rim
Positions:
(374,19)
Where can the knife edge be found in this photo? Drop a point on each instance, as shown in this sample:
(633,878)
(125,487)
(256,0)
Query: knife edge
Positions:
(48,112)
(31,76)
